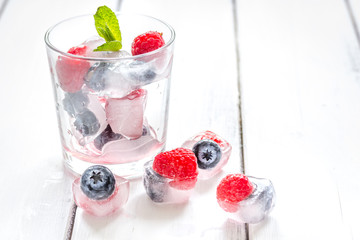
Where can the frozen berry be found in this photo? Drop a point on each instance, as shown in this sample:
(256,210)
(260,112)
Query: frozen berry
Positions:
(233,189)
(71,71)
(79,50)
(75,103)
(208,153)
(96,76)
(179,163)
(155,185)
(141,72)
(147,42)
(106,136)
(87,123)
(97,182)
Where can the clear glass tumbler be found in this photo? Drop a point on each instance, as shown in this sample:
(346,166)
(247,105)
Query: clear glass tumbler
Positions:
(112,107)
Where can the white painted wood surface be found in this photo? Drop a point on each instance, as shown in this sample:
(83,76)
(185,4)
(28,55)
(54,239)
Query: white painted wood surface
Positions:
(301,108)
(299,74)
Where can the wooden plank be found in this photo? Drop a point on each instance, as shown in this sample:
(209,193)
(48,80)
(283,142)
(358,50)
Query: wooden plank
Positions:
(36,191)
(203,96)
(301,106)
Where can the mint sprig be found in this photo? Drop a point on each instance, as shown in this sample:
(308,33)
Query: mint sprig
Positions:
(107,26)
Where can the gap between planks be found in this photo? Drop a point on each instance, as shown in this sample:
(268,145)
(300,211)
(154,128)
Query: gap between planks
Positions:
(241,136)
(2,7)
(353,21)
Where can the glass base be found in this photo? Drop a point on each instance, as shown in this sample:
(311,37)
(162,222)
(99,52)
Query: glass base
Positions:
(129,170)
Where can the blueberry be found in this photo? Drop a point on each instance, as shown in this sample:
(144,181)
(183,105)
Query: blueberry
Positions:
(208,153)
(75,103)
(155,185)
(87,123)
(97,182)
(145,131)
(141,72)
(96,76)
(106,136)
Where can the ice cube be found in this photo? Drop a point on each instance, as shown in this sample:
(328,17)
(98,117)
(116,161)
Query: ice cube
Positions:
(106,206)
(208,165)
(124,150)
(107,79)
(126,115)
(87,125)
(75,103)
(96,41)
(140,73)
(258,204)
(96,76)
(163,190)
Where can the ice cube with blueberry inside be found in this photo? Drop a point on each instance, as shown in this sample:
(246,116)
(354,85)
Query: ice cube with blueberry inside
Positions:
(126,115)
(171,177)
(89,119)
(106,79)
(246,199)
(75,103)
(99,192)
(212,152)
(114,148)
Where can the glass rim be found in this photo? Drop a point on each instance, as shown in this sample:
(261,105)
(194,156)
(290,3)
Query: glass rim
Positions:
(51,46)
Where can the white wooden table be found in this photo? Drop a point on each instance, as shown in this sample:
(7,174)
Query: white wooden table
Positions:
(279,79)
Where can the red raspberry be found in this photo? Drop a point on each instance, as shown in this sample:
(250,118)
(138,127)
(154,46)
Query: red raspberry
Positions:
(71,71)
(233,189)
(147,42)
(79,50)
(178,164)
(212,136)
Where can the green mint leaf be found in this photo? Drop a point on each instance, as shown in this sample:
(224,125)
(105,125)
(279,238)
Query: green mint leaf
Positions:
(107,26)
(109,46)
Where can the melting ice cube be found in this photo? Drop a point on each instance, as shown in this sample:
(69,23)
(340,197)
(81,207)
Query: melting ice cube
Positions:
(126,115)
(161,190)
(208,170)
(106,206)
(257,205)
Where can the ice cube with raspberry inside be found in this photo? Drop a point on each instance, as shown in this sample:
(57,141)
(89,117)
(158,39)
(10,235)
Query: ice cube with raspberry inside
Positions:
(126,115)
(246,199)
(99,192)
(71,70)
(171,177)
(212,152)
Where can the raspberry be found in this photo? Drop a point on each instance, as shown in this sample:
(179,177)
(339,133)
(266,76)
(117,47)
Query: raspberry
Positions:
(179,164)
(79,50)
(71,71)
(147,42)
(212,136)
(233,189)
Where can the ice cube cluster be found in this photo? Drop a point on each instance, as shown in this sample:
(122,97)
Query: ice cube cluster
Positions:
(212,152)
(255,207)
(106,102)
(99,192)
